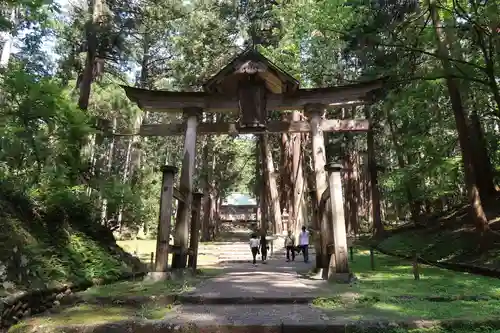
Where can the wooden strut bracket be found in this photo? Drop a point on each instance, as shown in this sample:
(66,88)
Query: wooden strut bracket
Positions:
(178,195)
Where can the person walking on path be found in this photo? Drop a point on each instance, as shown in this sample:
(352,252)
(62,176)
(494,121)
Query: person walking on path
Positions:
(289,246)
(263,246)
(304,243)
(254,247)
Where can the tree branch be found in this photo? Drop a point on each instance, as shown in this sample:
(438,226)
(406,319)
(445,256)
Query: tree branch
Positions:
(439,77)
(435,55)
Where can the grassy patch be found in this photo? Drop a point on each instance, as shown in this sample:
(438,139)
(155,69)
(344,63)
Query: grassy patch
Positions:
(451,237)
(142,288)
(378,293)
(372,308)
(142,248)
(85,314)
(149,288)
(448,245)
(31,257)
(394,277)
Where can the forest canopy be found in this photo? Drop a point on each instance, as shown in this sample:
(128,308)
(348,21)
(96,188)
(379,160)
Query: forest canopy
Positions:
(434,142)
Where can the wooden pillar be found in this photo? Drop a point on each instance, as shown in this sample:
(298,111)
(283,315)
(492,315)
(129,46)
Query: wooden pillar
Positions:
(315,222)
(341,269)
(165,219)
(315,112)
(298,184)
(264,211)
(262,181)
(195,230)
(179,259)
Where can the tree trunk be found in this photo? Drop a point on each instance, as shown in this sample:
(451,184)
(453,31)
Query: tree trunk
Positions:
(350,203)
(85,82)
(365,188)
(7,38)
(208,188)
(272,190)
(481,159)
(477,212)
(356,192)
(378,227)
(107,174)
(350,178)
(217,202)
(286,177)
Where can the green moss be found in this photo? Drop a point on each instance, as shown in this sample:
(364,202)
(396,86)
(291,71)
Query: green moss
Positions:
(31,257)
(393,277)
(149,288)
(458,243)
(86,314)
(390,291)
(141,288)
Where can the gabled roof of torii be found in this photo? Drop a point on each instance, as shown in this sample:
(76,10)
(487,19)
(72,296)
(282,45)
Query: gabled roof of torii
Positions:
(251,61)
(220,93)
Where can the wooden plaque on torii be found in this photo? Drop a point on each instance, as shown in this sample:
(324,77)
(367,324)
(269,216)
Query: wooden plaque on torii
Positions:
(251,77)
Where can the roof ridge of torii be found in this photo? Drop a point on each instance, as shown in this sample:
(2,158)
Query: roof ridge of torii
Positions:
(251,81)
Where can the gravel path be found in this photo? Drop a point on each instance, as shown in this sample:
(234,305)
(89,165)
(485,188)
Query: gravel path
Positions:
(277,279)
(245,315)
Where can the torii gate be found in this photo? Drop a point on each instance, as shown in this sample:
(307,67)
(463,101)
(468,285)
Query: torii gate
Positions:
(249,86)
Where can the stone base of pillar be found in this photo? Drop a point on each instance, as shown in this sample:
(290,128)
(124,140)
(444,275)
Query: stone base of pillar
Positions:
(157,276)
(181,274)
(343,278)
(319,273)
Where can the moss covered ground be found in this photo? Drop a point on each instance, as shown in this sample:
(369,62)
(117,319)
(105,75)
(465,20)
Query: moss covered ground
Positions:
(38,251)
(390,291)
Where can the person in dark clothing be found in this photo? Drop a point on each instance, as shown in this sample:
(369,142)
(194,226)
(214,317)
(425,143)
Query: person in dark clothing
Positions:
(263,246)
(254,247)
(290,246)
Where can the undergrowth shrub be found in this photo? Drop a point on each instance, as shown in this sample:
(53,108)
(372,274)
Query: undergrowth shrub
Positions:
(54,237)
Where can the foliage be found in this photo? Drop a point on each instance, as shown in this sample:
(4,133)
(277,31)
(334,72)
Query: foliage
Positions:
(82,314)
(390,291)
(454,243)
(52,240)
(64,157)
(41,128)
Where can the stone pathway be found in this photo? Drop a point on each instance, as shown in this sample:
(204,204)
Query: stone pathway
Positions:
(275,279)
(274,286)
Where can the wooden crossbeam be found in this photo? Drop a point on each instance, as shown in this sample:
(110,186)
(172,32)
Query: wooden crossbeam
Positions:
(170,101)
(326,125)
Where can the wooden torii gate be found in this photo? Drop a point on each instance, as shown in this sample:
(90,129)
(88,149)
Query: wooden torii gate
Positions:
(249,86)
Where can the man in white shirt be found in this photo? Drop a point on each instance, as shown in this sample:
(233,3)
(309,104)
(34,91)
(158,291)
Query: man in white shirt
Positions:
(254,247)
(304,243)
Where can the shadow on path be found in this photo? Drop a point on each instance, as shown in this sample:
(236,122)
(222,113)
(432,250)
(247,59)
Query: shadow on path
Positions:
(275,279)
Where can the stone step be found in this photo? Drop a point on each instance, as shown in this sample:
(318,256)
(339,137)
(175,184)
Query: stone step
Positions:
(262,315)
(298,318)
(221,300)
(238,257)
